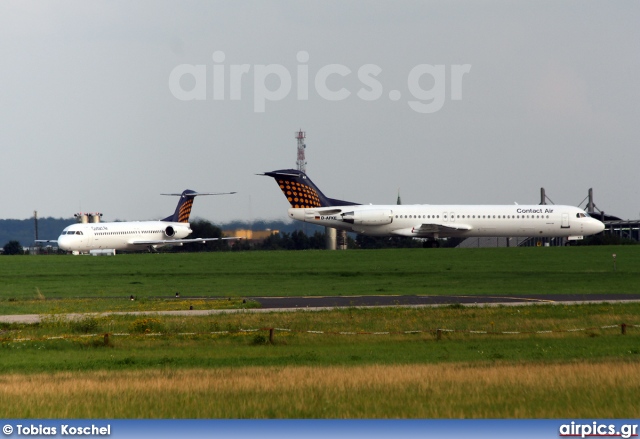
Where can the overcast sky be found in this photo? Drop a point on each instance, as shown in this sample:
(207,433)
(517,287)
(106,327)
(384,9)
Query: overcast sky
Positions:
(104,105)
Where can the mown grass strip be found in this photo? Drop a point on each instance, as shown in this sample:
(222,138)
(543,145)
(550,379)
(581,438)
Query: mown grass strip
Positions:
(394,320)
(339,337)
(499,271)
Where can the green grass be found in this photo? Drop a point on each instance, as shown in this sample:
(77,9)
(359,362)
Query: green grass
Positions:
(212,366)
(203,367)
(500,271)
(64,306)
(229,340)
(138,353)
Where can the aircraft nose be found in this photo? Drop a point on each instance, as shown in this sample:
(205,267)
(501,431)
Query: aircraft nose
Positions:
(63,242)
(596,226)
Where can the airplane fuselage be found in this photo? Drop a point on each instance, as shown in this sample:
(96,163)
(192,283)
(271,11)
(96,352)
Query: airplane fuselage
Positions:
(131,235)
(440,221)
(106,238)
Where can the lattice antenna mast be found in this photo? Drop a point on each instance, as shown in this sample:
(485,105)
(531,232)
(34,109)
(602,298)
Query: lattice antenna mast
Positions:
(301,163)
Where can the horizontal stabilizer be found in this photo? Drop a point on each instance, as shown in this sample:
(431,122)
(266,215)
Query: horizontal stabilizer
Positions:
(193,193)
(183,210)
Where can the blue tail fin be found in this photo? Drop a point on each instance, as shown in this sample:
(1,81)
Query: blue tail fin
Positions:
(301,192)
(183,210)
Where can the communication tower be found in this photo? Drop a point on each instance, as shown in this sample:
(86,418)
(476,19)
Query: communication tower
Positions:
(301,162)
(331,235)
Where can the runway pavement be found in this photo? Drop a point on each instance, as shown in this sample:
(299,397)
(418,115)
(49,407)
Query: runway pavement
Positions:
(347,301)
(289,304)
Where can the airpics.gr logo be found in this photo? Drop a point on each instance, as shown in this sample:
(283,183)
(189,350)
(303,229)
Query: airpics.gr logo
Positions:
(598,429)
(331,82)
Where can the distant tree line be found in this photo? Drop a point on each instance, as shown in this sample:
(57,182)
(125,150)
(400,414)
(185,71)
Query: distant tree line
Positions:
(24,231)
(294,240)
(12,248)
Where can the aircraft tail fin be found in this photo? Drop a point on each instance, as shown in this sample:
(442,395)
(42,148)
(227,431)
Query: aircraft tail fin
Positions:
(183,209)
(301,192)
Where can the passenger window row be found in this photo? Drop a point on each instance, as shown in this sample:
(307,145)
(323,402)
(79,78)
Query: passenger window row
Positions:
(477,216)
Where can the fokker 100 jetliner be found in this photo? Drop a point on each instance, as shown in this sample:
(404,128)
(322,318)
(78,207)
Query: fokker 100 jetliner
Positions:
(133,235)
(309,204)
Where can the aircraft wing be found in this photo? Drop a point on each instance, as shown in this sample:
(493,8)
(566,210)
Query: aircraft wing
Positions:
(47,240)
(178,241)
(431,230)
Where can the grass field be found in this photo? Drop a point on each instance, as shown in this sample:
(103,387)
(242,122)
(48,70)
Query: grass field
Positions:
(572,270)
(533,361)
(326,338)
(218,366)
(596,391)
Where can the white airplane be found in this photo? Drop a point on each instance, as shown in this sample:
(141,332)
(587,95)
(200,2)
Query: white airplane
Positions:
(106,238)
(431,222)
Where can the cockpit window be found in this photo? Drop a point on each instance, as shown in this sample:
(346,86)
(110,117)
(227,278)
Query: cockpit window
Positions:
(581,215)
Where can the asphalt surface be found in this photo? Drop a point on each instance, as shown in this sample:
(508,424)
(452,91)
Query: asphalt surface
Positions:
(348,301)
(285,304)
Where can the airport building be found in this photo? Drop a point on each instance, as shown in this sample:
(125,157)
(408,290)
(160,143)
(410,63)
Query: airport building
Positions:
(251,235)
